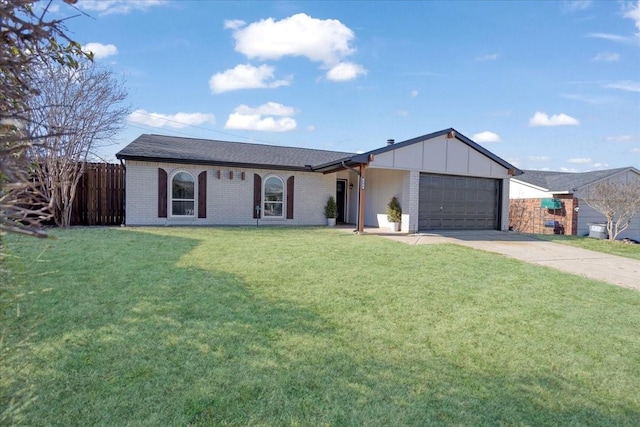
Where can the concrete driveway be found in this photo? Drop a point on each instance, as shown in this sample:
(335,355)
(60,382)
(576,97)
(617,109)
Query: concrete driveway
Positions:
(612,269)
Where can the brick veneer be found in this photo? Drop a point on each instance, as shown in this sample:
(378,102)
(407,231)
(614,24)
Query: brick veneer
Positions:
(526,216)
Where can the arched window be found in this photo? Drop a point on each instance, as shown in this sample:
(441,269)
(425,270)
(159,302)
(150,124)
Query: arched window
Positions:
(182,194)
(273,197)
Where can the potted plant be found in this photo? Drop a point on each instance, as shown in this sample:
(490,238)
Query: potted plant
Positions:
(394,213)
(331,211)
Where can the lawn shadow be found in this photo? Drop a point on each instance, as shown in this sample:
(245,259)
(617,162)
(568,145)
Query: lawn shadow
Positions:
(150,342)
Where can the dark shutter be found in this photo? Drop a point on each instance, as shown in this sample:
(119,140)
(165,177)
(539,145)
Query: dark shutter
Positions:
(290,198)
(257,195)
(202,194)
(162,193)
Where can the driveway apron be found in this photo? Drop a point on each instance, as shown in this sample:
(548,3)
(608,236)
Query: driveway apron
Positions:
(612,269)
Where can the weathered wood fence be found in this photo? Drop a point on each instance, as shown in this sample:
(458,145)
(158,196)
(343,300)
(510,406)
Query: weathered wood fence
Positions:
(100,196)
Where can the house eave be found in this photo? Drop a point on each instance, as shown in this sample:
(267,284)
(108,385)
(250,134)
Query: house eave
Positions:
(216,163)
(342,164)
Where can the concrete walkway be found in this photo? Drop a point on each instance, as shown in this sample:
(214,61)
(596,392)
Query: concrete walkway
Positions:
(612,269)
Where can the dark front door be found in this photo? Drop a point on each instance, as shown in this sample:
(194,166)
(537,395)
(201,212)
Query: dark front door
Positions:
(341,199)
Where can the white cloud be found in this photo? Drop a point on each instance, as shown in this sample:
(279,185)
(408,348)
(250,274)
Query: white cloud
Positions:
(403,113)
(488,57)
(245,76)
(325,41)
(635,150)
(414,93)
(619,138)
(628,85)
(234,24)
(607,57)
(345,71)
(575,5)
(262,118)
(100,50)
(175,121)
(611,37)
(563,169)
(268,109)
(107,7)
(580,160)
(542,119)
(633,13)
(601,165)
(486,136)
(311,128)
(538,158)
(582,98)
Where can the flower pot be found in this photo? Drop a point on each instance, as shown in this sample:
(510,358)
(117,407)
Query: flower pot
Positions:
(395,226)
(331,222)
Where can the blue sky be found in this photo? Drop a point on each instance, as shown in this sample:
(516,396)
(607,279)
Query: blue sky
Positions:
(549,85)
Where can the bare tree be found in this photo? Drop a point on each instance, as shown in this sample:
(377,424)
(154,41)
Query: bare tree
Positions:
(618,201)
(84,106)
(26,38)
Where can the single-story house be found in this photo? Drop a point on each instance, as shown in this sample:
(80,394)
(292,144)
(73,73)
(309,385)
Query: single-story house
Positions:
(551,201)
(443,180)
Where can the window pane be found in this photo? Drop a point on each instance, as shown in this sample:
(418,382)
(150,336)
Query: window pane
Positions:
(273,209)
(182,208)
(182,186)
(273,190)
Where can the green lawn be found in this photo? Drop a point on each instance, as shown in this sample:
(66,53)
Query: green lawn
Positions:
(606,246)
(305,327)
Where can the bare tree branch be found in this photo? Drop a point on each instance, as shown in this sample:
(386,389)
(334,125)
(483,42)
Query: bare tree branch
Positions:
(26,39)
(85,106)
(618,201)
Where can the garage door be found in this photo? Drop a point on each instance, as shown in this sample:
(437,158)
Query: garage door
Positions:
(458,202)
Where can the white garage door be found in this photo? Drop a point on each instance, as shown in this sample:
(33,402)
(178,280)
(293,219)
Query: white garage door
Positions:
(458,202)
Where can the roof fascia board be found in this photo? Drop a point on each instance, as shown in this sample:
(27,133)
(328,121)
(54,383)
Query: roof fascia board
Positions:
(214,163)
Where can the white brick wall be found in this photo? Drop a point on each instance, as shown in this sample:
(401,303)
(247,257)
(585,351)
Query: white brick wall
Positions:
(411,197)
(229,201)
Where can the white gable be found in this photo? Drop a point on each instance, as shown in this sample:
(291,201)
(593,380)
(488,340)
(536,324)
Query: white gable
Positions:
(440,155)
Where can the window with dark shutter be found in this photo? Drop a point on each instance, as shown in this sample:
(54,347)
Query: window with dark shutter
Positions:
(162,193)
(202,194)
(290,198)
(257,195)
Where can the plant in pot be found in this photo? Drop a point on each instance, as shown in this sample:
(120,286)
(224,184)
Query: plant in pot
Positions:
(331,211)
(394,213)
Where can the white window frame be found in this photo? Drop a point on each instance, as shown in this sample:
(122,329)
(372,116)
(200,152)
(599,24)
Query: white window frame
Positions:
(265,201)
(171,198)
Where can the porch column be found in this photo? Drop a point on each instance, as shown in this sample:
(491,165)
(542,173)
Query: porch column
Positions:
(361,200)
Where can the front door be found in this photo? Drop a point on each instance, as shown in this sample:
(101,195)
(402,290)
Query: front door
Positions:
(341,200)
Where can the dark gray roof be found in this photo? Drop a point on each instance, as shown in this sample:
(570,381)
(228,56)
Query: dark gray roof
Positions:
(175,149)
(565,181)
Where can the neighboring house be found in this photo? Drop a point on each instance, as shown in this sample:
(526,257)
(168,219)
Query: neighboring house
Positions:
(443,180)
(540,197)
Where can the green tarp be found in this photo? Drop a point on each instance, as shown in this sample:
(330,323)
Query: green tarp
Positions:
(551,204)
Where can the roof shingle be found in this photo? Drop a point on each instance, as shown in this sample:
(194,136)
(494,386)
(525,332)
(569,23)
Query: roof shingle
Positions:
(565,181)
(174,149)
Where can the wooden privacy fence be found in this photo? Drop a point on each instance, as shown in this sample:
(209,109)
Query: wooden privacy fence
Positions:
(99,196)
